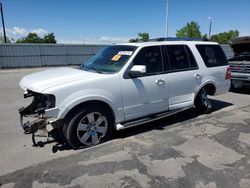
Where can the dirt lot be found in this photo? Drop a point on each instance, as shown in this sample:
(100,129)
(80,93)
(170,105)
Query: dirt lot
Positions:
(184,150)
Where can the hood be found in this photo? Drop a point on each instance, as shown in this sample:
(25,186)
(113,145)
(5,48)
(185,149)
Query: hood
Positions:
(40,81)
(241,45)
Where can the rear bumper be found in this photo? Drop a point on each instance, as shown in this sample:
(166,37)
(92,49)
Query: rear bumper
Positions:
(240,76)
(237,83)
(239,80)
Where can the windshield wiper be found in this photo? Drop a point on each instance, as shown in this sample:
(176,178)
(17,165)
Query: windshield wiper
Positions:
(91,68)
(95,69)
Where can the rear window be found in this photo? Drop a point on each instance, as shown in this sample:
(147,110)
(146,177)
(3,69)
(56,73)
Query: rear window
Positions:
(212,55)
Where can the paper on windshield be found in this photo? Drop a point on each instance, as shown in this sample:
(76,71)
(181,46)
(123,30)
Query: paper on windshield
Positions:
(125,53)
(116,57)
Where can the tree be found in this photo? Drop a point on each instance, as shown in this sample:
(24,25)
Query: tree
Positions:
(34,38)
(205,36)
(133,40)
(31,38)
(49,38)
(225,37)
(143,36)
(191,30)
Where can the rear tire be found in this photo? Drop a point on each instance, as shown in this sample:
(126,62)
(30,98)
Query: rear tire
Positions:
(202,103)
(89,126)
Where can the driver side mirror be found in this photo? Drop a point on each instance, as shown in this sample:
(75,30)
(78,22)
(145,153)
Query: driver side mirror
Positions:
(137,71)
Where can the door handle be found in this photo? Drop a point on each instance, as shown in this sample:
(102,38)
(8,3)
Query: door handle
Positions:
(197,76)
(160,81)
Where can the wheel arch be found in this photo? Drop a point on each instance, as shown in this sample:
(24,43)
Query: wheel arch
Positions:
(210,88)
(74,110)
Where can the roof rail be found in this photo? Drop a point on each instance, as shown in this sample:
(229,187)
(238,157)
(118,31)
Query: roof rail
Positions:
(176,39)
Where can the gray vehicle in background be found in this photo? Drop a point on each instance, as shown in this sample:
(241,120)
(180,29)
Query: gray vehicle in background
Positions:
(240,63)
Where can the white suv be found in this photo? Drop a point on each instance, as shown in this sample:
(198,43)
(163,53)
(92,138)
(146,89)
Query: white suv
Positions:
(125,85)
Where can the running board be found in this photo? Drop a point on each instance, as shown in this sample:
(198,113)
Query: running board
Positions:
(147,119)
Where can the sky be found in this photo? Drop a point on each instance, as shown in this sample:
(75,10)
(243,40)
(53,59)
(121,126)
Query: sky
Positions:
(110,21)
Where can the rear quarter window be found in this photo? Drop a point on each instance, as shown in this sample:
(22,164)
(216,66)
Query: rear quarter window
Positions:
(212,55)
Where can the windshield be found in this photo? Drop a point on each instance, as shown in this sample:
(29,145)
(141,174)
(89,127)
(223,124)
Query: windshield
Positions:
(110,59)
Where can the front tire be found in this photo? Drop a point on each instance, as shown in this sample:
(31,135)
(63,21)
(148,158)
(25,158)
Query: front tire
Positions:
(89,126)
(202,102)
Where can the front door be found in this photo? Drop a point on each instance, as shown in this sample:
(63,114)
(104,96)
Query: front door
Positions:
(147,94)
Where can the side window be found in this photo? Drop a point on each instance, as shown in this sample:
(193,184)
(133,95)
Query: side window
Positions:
(212,55)
(151,58)
(178,58)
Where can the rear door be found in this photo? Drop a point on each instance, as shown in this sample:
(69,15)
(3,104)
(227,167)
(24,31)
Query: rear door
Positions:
(183,76)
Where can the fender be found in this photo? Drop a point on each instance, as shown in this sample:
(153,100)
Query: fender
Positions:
(89,95)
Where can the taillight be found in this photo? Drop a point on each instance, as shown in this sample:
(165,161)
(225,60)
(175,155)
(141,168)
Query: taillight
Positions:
(228,74)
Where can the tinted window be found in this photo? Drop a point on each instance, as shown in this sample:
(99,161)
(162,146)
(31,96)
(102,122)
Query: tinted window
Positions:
(151,58)
(178,57)
(212,55)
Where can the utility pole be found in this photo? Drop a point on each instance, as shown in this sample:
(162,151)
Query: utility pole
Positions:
(4,34)
(166,34)
(83,38)
(210,27)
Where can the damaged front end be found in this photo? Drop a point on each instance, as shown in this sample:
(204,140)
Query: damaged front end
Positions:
(34,114)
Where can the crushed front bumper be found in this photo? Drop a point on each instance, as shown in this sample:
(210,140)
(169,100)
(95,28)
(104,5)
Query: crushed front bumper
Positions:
(38,122)
(40,127)
(34,120)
